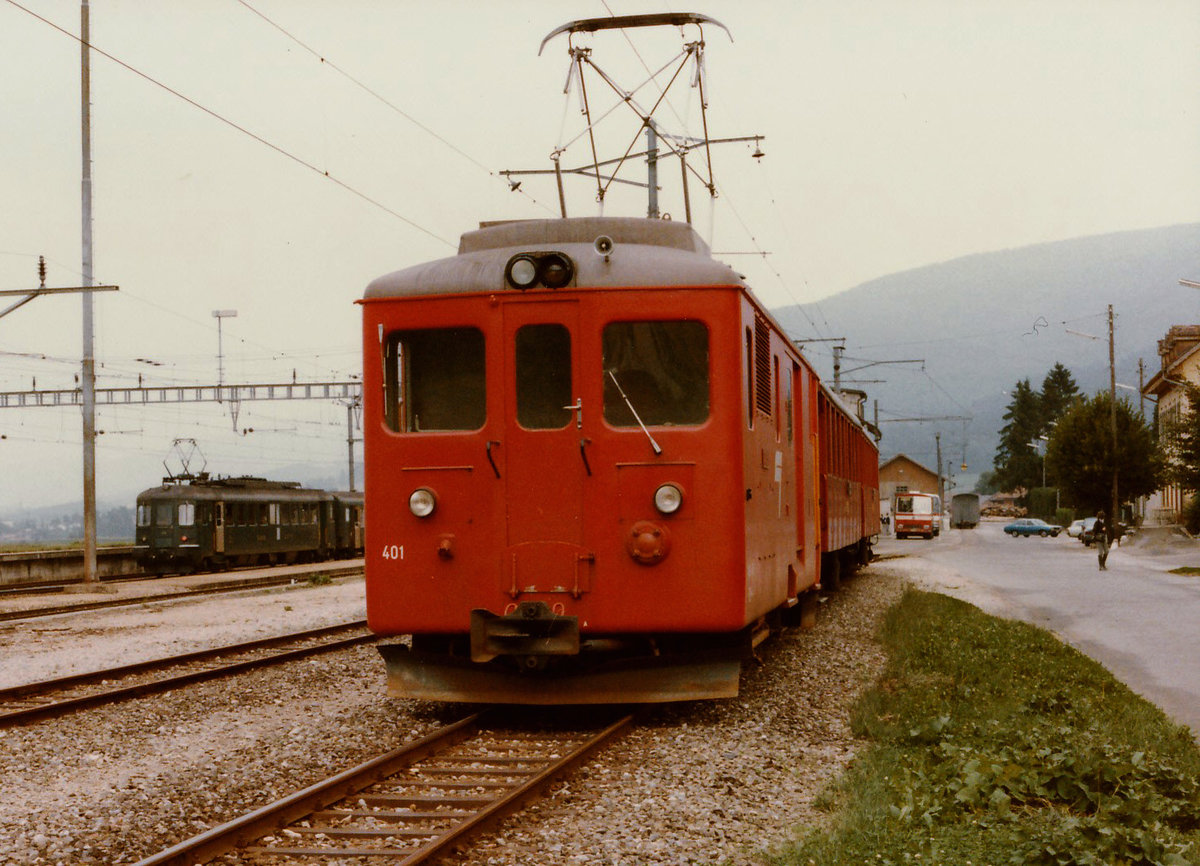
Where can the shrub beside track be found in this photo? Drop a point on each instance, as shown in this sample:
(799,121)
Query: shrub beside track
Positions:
(995,743)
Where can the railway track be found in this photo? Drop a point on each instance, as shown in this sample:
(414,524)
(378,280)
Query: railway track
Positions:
(407,806)
(215,587)
(41,700)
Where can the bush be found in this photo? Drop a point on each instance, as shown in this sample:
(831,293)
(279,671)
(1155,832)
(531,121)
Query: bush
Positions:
(1042,502)
(992,742)
(1190,516)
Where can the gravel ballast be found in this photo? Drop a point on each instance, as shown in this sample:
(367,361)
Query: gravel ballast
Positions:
(698,782)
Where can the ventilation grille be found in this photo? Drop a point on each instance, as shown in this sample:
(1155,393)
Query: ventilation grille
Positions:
(762,365)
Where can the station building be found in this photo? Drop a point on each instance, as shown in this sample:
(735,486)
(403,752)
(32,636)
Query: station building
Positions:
(1179,352)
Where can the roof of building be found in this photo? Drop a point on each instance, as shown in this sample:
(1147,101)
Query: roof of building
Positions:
(892,460)
(1181,344)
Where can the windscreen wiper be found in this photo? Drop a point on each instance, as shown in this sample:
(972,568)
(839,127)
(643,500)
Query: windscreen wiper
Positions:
(612,374)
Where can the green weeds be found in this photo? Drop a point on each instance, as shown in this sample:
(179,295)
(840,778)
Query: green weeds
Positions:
(993,743)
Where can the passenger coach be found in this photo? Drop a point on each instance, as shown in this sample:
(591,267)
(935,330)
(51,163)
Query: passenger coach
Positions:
(597,469)
(201,523)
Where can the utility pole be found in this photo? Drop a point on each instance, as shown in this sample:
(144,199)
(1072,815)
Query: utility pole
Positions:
(220,316)
(1112,396)
(652,174)
(351,406)
(1141,388)
(88,383)
(941,486)
(837,368)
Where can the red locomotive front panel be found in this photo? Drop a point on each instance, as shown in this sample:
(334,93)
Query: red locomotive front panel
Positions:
(554,458)
(525,458)
(589,467)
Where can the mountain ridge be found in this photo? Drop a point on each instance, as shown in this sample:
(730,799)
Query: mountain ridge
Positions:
(984,321)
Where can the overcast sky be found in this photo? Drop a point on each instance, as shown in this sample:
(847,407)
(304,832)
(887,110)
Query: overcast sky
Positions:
(274,156)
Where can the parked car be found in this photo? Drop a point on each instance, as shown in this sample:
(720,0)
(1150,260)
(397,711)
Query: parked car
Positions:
(1088,536)
(1032,526)
(1078,527)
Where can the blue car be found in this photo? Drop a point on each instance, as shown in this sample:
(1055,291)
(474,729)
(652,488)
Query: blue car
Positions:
(1032,526)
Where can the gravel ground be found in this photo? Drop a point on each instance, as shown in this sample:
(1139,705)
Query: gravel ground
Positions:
(702,782)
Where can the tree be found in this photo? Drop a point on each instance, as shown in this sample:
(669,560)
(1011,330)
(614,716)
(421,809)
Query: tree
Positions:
(1180,442)
(1059,391)
(1031,416)
(1017,463)
(986,482)
(1081,455)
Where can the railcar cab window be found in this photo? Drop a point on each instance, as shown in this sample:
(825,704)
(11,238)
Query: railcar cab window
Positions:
(187,513)
(662,369)
(164,513)
(434,380)
(144,510)
(543,377)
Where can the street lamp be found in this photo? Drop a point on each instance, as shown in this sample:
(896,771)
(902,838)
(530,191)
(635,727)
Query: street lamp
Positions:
(1035,446)
(1046,445)
(219,315)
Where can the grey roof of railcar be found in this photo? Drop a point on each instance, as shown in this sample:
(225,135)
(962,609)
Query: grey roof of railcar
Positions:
(646,252)
(239,489)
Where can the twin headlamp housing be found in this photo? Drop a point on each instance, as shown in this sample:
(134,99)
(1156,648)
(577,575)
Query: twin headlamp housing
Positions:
(551,270)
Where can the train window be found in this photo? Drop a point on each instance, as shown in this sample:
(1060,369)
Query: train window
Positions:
(778,412)
(543,376)
(164,513)
(750,378)
(662,369)
(789,405)
(273,514)
(187,514)
(435,380)
(143,514)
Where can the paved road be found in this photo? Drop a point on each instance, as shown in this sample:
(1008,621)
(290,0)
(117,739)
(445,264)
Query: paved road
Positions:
(1137,619)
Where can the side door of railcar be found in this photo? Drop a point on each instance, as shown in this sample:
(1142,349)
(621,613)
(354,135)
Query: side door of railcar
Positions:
(219,527)
(808,475)
(543,464)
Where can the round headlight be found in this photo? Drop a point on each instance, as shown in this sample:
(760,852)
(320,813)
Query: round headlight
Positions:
(556,270)
(422,502)
(668,498)
(522,271)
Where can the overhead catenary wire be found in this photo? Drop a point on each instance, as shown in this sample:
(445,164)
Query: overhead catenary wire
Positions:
(375,94)
(239,128)
(31,362)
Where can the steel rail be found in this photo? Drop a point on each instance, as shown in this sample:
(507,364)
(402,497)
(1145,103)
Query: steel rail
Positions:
(213,588)
(458,802)
(34,691)
(337,568)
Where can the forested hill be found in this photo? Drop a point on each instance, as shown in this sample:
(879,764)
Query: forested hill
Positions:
(985,321)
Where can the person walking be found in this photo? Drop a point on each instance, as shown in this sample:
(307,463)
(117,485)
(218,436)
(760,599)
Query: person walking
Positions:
(1100,536)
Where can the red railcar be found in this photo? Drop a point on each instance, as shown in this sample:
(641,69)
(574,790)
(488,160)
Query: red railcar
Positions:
(597,470)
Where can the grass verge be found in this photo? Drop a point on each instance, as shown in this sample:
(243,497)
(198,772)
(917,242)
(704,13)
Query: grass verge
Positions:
(992,742)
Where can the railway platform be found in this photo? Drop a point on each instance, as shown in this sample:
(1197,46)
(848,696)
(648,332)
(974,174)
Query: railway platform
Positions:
(106,593)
